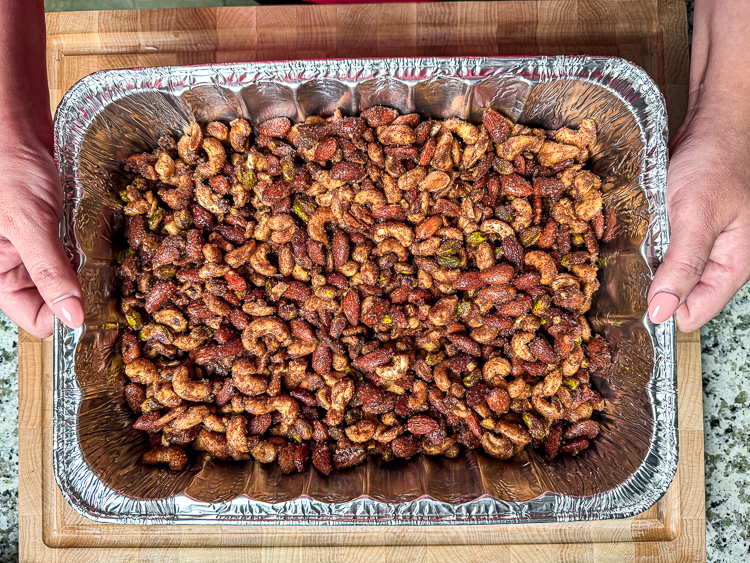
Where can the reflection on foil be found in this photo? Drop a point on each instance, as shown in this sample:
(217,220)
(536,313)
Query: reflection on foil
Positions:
(112,114)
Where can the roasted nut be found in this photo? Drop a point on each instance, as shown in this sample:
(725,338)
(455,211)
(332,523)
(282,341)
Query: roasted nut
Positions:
(379,284)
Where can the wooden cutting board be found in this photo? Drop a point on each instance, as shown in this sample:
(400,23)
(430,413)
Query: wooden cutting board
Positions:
(650,33)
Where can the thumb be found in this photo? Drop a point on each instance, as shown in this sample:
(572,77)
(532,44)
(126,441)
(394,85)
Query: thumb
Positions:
(692,239)
(44,257)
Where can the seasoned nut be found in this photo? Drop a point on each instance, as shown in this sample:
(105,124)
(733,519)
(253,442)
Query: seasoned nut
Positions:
(315,277)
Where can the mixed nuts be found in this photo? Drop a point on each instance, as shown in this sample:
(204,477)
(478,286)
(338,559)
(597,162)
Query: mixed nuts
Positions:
(353,286)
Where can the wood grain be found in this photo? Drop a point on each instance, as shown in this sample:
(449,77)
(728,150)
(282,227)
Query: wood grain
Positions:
(52,531)
(650,33)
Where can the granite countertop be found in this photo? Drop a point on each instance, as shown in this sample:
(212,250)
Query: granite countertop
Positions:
(725,353)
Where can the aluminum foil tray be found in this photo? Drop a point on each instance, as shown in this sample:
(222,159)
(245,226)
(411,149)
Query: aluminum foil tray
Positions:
(111,114)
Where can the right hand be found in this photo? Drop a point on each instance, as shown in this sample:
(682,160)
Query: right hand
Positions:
(708,200)
(36,279)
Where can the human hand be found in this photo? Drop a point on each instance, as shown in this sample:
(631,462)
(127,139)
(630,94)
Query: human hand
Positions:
(708,200)
(35,275)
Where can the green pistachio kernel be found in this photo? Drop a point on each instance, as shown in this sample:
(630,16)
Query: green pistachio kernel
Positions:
(247,178)
(448,247)
(463,307)
(301,214)
(156,218)
(570,382)
(131,251)
(578,240)
(124,196)
(121,256)
(165,272)
(387,320)
(498,252)
(287,170)
(599,264)
(183,219)
(475,238)
(134,319)
(150,405)
(449,261)
(471,379)
(433,359)
(527,420)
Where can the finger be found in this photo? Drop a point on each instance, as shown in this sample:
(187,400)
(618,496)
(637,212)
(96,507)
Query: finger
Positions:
(692,238)
(20,300)
(707,299)
(47,264)
(723,277)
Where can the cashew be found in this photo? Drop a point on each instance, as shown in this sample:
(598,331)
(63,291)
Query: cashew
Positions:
(514,432)
(583,182)
(544,407)
(191,417)
(283,227)
(495,371)
(563,213)
(214,423)
(287,407)
(217,130)
(584,272)
(497,446)
(189,390)
(583,138)
(395,371)
(582,412)
(266,326)
(316,224)
(165,169)
(264,452)
(244,378)
(564,280)
(361,432)
(496,227)
(171,317)
(374,198)
(141,371)
(239,134)
(259,260)
(392,245)
(217,157)
(215,443)
(589,206)
(164,393)
(174,456)
(441,377)
(572,363)
(188,155)
(236,438)
(209,200)
(543,264)
(400,231)
(551,383)
(520,346)
(552,153)
(523,213)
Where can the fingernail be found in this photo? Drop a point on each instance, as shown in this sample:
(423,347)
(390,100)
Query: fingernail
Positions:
(69,311)
(662,306)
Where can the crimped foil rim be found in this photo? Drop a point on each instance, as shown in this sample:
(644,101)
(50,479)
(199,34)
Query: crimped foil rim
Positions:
(90,497)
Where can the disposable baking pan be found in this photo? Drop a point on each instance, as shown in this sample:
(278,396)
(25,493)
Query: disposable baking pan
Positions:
(109,115)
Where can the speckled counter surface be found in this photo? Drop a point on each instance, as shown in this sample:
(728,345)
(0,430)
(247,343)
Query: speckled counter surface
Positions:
(725,347)
(8,440)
